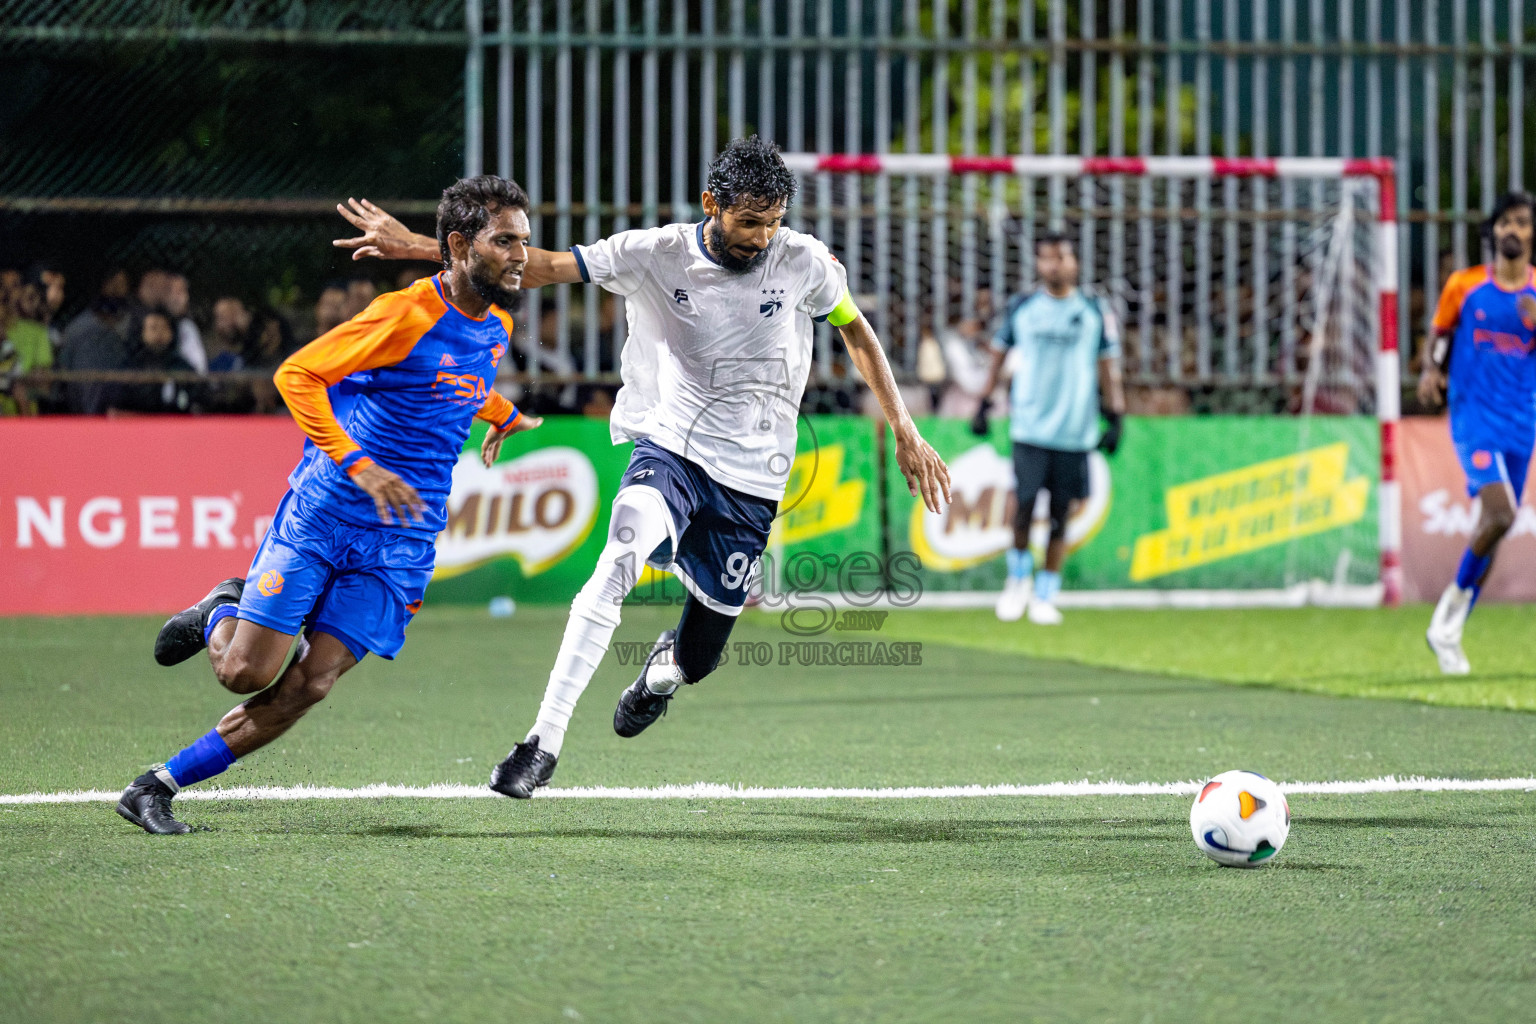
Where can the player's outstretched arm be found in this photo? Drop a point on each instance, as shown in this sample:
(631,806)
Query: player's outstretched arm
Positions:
(926,474)
(385,238)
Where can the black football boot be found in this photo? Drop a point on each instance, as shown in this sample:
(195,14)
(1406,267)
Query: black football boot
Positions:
(182,635)
(524,770)
(639,706)
(147,803)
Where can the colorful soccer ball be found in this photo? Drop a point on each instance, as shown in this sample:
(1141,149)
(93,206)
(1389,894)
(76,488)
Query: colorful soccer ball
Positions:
(1240,819)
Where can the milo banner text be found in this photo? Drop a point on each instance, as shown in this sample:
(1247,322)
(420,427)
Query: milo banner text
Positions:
(1208,502)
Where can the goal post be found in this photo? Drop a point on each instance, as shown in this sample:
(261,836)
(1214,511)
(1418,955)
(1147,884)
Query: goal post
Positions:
(1287,281)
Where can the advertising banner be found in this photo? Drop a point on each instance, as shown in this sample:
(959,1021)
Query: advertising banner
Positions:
(143,515)
(1439,517)
(1188,502)
(137,514)
(530,526)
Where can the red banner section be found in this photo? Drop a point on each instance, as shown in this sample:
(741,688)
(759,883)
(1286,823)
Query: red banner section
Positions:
(1438,519)
(134,515)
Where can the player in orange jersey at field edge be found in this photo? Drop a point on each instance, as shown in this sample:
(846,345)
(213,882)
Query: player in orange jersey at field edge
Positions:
(386,401)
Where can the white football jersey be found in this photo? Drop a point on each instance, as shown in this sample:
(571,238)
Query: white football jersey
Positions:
(716,362)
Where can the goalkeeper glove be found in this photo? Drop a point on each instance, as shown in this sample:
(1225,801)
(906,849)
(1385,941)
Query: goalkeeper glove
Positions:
(979,424)
(1110,442)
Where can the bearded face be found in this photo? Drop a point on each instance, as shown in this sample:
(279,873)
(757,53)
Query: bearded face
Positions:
(1511,246)
(487,284)
(734,258)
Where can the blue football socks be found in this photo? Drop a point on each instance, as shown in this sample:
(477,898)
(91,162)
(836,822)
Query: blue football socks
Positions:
(1047,585)
(218,615)
(1471,570)
(1020,563)
(202,760)
(1470,573)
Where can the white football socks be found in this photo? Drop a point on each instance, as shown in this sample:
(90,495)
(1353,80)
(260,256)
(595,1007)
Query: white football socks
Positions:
(640,523)
(581,650)
(664,677)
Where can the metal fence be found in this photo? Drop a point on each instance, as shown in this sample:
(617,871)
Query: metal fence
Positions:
(608,110)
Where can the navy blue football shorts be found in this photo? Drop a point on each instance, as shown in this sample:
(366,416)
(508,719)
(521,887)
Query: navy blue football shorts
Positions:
(717,533)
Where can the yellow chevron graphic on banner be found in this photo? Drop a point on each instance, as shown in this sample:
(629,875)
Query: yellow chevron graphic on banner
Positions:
(1254,507)
(819,504)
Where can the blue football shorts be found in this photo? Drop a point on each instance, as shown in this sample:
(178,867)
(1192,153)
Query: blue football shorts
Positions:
(1488,460)
(314,572)
(720,533)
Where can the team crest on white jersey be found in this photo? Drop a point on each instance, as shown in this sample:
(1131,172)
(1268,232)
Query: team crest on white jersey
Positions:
(714,370)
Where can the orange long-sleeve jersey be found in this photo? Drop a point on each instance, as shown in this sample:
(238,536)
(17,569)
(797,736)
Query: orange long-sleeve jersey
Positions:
(398,385)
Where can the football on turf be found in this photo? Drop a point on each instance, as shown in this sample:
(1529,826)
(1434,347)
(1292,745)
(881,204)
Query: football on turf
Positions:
(1240,819)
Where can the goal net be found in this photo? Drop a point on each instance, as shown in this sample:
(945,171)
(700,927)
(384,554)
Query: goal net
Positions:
(1258,295)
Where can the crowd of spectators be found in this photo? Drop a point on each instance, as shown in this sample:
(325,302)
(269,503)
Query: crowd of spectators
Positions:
(151,325)
(218,356)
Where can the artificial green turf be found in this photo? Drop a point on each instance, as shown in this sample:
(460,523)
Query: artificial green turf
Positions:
(1400,907)
(1345,651)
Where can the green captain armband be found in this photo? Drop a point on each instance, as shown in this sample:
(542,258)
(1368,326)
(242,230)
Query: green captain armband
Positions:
(844,313)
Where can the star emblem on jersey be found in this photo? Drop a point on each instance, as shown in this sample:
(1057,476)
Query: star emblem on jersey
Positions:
(680,296)
(774,301)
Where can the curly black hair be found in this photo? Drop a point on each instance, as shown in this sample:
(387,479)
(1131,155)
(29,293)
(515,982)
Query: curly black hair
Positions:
(468,203)
(750,171)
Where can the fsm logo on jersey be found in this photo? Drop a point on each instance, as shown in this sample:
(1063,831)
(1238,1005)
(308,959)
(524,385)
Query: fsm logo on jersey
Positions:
(978,524)
(536,508)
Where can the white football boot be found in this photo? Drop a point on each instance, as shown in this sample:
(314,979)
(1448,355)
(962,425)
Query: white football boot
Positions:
(1044,613)
(1445,626)
(1014,599)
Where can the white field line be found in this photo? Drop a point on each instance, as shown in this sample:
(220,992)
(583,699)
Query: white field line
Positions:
(717,791)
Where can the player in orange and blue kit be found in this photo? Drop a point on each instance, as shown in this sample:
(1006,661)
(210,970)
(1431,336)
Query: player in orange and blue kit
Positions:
(1483,359)
(386,401)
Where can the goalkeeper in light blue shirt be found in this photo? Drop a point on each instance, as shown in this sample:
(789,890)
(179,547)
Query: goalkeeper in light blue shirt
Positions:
(1062,347)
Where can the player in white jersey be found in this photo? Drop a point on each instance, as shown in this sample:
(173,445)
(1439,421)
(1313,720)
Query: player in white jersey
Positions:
(720,320)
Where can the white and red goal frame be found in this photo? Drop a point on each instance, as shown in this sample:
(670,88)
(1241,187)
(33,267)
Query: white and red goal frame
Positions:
(1381,170)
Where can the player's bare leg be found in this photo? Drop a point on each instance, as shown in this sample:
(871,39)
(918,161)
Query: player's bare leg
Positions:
(306,682)
(1494,520)
(246,656)
(186,632)
(248,727)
